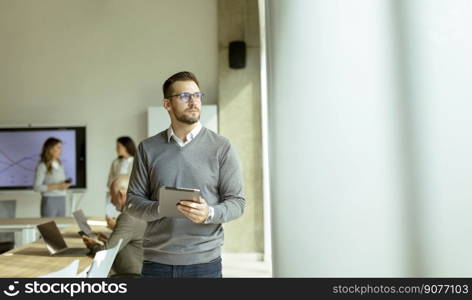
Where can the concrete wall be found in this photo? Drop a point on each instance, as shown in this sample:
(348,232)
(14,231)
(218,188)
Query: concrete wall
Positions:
(99,63)
(240,117)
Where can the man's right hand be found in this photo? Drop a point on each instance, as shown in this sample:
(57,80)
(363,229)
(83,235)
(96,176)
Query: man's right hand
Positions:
(88,242)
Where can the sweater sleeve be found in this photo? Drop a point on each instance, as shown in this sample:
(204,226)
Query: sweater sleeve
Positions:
(232,201)
(139,204)
(39,177)
(124,229)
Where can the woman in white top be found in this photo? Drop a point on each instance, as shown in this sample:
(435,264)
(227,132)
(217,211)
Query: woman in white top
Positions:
(122,165)
(50,180)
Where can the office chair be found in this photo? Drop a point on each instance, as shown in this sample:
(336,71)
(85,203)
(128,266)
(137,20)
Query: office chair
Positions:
(102,263)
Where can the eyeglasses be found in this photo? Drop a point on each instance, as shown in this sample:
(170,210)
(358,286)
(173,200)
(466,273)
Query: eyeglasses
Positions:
(185,97)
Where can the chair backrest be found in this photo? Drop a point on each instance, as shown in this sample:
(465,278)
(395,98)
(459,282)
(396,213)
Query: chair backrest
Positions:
(7,210)
(68,272)
(103,261)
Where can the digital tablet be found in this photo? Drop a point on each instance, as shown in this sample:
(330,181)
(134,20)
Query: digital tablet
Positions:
(169,197)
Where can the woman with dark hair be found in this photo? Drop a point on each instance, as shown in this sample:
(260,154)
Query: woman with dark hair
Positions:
(50,180)
(122,165)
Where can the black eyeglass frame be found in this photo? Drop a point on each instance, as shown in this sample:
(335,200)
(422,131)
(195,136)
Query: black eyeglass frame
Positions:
(197,95)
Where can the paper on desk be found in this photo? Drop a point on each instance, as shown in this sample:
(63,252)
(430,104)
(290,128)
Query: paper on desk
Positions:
(97,223)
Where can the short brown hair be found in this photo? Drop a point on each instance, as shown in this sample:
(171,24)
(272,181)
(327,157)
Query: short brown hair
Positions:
(181,76)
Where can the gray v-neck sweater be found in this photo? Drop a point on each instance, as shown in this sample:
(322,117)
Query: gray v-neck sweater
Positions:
(208,163)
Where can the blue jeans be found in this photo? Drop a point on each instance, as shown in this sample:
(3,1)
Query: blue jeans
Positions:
(207,270)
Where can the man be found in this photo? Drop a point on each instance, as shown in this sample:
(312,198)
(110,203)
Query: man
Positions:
(129,260)
(185,155)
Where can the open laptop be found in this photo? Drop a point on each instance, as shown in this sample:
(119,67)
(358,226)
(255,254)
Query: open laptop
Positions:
(81,220)
(55,243)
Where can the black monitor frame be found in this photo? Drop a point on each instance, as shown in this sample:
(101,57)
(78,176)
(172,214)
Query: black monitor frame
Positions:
(81,156)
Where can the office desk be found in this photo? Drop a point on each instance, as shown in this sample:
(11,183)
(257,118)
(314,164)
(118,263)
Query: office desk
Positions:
(33,259)
(25,228)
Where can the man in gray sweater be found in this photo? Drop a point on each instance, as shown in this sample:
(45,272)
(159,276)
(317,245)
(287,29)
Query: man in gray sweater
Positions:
(185,155)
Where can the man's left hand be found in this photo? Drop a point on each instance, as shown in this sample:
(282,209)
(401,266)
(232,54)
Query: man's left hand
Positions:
(197,210)
(111,222)
(101,236)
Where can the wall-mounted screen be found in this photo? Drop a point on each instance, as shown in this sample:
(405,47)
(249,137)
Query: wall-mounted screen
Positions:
(20,150)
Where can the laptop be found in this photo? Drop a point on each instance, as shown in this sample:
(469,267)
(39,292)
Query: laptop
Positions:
(55,242)
(81,220)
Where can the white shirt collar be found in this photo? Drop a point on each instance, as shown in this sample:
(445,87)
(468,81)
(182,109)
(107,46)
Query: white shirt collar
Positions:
(190,136)
(55,164)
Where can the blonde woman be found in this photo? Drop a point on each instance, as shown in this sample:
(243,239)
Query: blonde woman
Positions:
(50,180)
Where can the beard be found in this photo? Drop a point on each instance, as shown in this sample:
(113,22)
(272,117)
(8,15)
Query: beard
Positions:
(188,117)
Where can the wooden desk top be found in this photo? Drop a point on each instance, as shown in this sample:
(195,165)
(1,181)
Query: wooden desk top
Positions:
(34,260)
(37,221)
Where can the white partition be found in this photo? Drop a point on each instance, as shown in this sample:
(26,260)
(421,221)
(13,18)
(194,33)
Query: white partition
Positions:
(335,174)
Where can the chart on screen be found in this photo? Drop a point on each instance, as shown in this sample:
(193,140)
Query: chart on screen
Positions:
(20,154)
